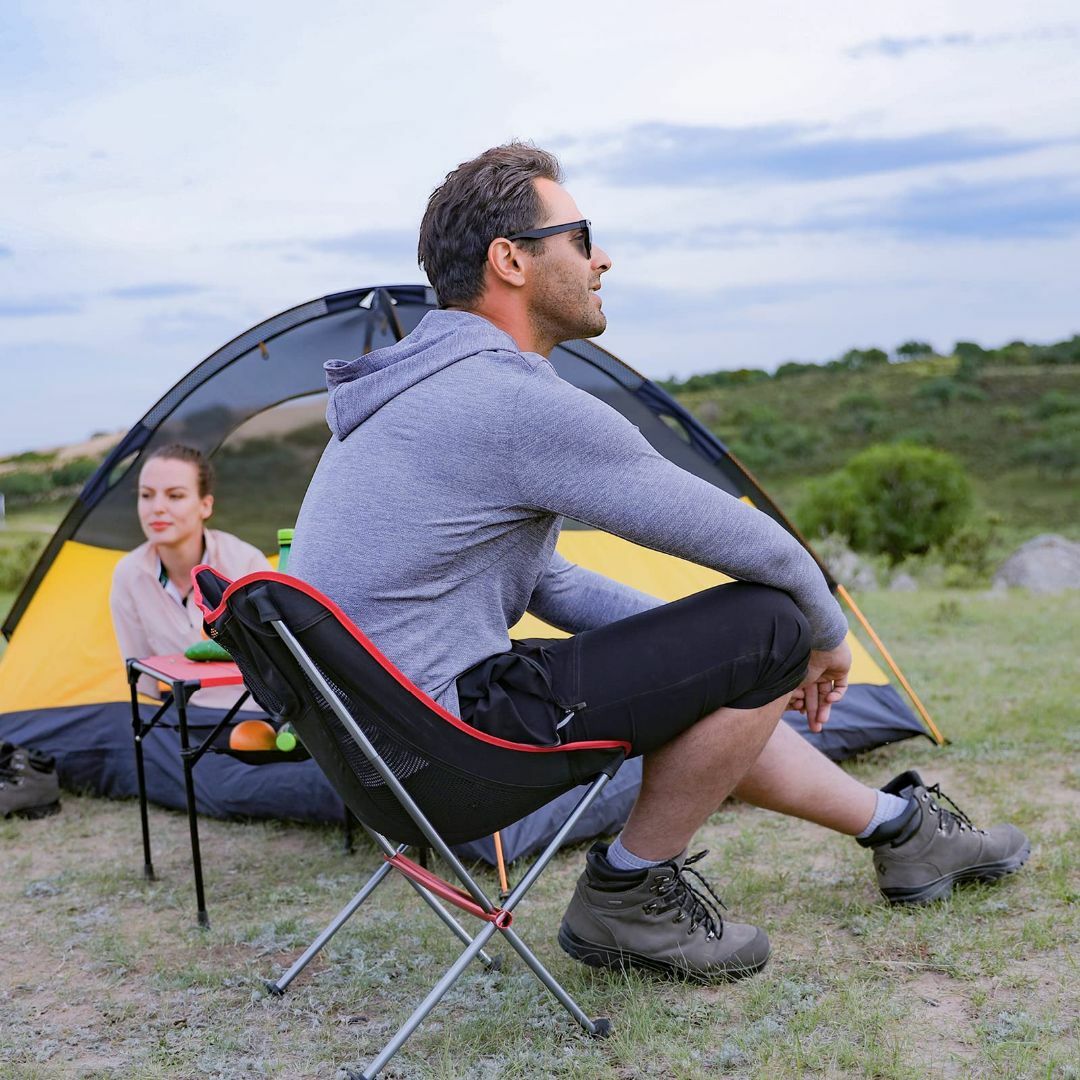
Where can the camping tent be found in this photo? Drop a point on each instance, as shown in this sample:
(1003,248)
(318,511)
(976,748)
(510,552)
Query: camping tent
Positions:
(257,406)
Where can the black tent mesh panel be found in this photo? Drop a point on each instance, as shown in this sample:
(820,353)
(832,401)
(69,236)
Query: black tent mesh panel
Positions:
(262,480)
(214,363)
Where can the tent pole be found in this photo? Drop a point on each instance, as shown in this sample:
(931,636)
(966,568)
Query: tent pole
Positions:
(846,597)
(500,862)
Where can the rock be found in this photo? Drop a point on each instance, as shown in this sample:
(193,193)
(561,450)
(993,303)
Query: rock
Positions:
(851,570)
(903,583)
(1046,564)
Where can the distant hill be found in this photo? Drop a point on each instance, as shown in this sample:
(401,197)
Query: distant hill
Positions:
(1013,422)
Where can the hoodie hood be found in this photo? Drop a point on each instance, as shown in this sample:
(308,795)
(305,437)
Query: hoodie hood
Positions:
(359,388)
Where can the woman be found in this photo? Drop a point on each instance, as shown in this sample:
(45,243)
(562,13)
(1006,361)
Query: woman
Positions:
(153,611)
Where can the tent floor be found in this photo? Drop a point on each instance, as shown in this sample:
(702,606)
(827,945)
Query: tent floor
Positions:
(94,753)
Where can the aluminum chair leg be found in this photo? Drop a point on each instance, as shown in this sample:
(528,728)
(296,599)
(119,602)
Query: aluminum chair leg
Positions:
(600,1027)
(492,963)
(438,991)
(279,986)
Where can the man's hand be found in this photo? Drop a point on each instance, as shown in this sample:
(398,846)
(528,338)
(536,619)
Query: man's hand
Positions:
(825,683)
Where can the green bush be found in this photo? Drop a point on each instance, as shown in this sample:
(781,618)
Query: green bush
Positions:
(859,360)
(1056,403)
(1063,352)
(943,391)
(1057,450)
(74,472)
(23,484)
(1009,415)
(795,367)
(714,380)
(971,357)
(895,499)
(969,553)
(912,350)
(16,561)
(859,413)
(32,457)
(764,440)
(920,436)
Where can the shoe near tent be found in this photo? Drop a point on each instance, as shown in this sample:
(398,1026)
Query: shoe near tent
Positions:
(256,405)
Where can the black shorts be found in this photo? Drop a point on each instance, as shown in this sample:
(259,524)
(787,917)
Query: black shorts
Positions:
(647,678)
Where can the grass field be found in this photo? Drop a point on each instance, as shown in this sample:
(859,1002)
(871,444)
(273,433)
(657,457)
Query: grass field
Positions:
(791,429)
(24,534)
(106,976)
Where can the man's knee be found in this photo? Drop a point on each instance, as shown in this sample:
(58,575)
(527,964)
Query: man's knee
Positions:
(775,619)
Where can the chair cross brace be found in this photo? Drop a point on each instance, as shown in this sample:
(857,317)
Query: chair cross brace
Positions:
(451,893)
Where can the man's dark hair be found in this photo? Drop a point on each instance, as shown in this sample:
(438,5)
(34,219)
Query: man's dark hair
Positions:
(181,452)
(492,195)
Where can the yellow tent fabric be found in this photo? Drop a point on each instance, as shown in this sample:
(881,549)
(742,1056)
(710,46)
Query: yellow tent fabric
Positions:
(663,576)
(64,652)
(54,660)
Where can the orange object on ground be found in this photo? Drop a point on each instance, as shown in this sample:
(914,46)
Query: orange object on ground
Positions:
(253,735)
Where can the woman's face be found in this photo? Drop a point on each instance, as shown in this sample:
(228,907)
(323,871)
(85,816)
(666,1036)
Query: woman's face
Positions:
(171,511)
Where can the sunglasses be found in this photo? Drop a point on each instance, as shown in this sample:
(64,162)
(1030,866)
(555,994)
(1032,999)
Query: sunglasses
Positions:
(538,234)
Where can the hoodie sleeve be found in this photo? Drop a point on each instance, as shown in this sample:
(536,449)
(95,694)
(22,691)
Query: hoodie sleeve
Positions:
(573,455)
(573,599)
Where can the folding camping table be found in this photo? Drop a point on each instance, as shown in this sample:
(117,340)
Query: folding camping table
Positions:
(183,677)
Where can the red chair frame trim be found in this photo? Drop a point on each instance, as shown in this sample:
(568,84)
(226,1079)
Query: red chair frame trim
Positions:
(366,643)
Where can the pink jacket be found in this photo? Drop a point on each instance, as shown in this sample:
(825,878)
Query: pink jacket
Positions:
(149,622)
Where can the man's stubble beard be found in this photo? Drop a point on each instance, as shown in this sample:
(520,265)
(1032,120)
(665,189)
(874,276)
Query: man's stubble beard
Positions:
(562,310)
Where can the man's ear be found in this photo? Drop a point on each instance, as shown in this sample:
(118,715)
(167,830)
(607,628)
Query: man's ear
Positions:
(505,262)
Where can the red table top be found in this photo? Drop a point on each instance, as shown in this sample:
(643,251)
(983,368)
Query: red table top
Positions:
(178,668)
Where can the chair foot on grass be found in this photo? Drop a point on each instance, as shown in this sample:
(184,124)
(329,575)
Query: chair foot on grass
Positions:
(601,1028)
(273,989)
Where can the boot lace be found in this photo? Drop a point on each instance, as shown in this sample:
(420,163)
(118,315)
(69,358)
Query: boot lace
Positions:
(677,892)
(949,820)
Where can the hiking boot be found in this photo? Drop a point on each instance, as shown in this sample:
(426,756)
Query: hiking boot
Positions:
(656,920)
(28,783)
(928,849)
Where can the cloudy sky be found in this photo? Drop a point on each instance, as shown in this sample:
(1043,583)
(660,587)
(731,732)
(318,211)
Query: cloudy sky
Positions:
(777,181)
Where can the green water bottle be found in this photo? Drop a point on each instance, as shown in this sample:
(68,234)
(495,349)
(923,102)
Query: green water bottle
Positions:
(284,545)
(286,738)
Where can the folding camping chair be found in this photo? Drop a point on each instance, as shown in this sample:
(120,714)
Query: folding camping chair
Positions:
(412,773)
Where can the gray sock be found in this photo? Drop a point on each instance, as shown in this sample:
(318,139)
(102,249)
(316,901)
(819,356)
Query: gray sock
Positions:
(888,807)
(622,859)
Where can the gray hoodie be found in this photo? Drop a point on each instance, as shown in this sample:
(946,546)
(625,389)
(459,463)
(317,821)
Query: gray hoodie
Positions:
(433,515)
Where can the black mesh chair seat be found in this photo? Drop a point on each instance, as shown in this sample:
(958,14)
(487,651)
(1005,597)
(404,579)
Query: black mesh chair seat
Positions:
(467,782)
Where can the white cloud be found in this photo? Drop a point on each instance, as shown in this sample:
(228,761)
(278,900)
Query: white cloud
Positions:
(205,143)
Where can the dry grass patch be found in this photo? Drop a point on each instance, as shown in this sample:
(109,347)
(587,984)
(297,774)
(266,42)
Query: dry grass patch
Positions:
(105,975)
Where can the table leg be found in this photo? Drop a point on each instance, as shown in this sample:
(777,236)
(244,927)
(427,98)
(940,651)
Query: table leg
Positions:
(140,772)
(180,694)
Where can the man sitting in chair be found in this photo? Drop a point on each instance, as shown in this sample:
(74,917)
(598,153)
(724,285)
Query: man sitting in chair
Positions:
(432,521)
